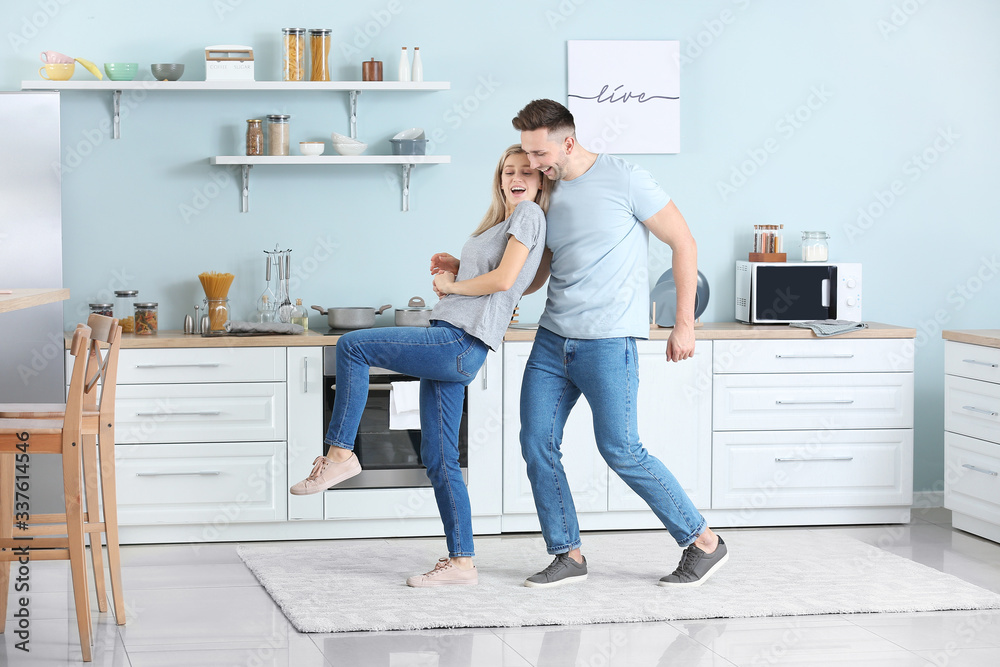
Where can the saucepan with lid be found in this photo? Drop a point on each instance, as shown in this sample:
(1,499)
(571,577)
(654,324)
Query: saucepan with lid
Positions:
(416,314)
(351,318)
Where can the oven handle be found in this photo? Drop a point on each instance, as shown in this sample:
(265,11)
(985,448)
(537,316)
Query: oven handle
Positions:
(378,386)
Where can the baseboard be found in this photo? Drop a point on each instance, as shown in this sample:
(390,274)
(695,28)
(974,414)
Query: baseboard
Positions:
(928,499)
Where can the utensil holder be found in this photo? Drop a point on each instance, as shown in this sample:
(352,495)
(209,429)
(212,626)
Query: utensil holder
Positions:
(768,257)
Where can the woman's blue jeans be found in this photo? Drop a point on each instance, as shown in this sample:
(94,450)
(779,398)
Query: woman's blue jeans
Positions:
(605,371)
(446,359)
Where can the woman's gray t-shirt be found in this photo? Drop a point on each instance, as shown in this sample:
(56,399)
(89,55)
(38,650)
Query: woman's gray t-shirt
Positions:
(486,317)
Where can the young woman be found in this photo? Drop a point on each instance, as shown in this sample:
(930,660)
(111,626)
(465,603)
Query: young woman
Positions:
(478,294)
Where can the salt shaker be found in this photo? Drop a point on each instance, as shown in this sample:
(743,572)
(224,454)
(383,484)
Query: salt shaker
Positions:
(188,324)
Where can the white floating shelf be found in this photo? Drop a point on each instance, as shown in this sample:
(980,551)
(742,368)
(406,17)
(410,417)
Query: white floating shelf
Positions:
(287,86)
(246,162)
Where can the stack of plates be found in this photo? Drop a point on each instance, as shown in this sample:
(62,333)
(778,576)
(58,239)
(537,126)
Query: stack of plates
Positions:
(663,299)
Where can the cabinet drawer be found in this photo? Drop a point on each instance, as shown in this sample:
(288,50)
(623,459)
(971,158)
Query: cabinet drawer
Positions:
(817,400)
(200,412)
(768,469)
(836,355)
(972,361)
(972,407)
(379,503)
(972,477)
(206,364)
(201,483)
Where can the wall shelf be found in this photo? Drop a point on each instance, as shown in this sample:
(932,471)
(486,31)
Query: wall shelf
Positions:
(246,162)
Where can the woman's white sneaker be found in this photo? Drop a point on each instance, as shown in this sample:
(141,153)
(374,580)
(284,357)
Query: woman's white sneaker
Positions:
(326,473)
(445,573)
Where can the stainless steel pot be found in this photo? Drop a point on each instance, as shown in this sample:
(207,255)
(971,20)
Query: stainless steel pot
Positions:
(416,314)
(351,318)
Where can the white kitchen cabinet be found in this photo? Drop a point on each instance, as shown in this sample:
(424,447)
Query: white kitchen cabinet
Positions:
(972,435)
(305,425)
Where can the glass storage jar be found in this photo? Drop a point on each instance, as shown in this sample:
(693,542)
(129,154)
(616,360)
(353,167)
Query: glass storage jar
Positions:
(277,134)
(319,54)
(218,314)
(145,317)
(255,137)
(125,309)
(294,58)
(814,247)
(106,309)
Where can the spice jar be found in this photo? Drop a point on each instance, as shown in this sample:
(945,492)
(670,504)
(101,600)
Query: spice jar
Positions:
(105,309)
(319,53)
(145,318)
(371,70)
(294,59)
(814,247)
(255,137)
(125,309)
(277,134)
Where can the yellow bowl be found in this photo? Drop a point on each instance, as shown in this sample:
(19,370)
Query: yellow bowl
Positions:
(57,71)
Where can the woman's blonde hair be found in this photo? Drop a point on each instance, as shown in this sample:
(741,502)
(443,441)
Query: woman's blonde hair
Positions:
(497,212)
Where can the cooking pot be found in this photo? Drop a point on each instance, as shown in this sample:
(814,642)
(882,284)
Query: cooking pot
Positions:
(351,318)
(416,314)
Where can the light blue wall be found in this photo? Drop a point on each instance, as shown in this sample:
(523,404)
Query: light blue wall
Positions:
(894,76)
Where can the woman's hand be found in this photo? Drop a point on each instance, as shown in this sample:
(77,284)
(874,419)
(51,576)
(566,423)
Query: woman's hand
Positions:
(442,261)
(443,282)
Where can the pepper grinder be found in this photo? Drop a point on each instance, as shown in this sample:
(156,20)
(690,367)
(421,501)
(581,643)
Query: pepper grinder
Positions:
(196,325)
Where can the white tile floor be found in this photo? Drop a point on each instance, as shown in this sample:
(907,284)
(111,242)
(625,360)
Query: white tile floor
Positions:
(191,605)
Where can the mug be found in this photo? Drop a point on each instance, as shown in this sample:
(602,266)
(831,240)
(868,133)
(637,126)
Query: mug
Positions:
(57,71)
(53,57)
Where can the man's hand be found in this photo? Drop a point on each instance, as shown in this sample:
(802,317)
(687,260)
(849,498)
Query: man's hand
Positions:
(442,261)
(680,345)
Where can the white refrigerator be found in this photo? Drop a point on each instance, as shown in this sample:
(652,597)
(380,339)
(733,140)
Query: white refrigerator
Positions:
(31,347)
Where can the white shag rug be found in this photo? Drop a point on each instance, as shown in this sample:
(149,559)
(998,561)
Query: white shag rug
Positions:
(341,586)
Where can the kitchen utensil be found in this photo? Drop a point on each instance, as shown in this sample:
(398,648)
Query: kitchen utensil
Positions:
(55,57)
(663,298)
(285,307)
(351,318)
(312,147)
(121,71)
(409,146)
(57,71)
(416,314)
(167,71)
(350,148)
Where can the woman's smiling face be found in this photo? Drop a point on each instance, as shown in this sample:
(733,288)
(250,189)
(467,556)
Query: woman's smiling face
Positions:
(519,181)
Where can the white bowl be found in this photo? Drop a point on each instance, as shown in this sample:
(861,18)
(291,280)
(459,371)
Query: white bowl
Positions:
(412,133)
(312,147)
(356,148)
(343,139)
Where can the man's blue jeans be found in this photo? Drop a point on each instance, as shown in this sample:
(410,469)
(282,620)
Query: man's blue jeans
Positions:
(605,371)
(446,359)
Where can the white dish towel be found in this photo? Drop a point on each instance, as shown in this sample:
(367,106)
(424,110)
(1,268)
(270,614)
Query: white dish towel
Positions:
(404,406)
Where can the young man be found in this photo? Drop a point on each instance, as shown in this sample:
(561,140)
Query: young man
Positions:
(597,239)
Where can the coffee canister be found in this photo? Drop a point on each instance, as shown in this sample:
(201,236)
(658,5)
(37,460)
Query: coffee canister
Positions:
(371,70)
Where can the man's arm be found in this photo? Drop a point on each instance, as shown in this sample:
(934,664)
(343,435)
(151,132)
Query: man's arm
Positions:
(542,274)
(669,226)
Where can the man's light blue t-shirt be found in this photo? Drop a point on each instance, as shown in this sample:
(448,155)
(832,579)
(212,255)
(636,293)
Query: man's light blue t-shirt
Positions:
(599,287)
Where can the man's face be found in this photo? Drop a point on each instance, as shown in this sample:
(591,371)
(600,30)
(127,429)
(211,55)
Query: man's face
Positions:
(546,154)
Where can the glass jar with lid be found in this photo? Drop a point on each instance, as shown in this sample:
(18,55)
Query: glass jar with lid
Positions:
(106,309)
(125,309)
(319,54)
(277,134)
(294,58)
(255,137)
(814,247)
(145,317)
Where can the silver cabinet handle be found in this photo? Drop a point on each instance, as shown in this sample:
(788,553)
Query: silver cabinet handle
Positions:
(814,356)
(205,364)
(828,458)
(178,474)
(835,401)
(991,473)
(305,375)
(981,363)
(971,408)
(376,386)
(486,372)
(199,413)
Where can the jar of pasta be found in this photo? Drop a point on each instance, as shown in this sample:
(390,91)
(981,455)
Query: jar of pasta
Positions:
(294,58)
(319,53)
(125,309)
(145,317)
(277,134)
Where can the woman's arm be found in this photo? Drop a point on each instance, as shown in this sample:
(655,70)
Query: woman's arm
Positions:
(499,279)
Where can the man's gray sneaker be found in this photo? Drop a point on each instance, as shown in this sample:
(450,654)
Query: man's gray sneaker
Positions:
(696,566)
(563,570)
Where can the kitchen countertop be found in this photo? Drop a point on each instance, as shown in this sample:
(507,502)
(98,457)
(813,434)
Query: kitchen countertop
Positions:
(707,331)
(987,337)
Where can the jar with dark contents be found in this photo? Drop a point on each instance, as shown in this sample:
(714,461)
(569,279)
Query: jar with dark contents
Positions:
(145,318)
(125,309)
(255,137)
(106,309)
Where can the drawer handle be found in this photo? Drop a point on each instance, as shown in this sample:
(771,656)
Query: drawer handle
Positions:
(971,408)
(385,386)
(835,401)
(199,413)
(981,363)
(205,364)
(991,473)
(178,474)
(827,458)
(814,356)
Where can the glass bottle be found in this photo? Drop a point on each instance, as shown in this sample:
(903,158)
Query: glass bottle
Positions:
(125,309)
(319,54)
(294,58)
(404,66)
(265,310)
(300,315)
(145,318)
(417,71)
(255,137)
(814,247)
(277,134)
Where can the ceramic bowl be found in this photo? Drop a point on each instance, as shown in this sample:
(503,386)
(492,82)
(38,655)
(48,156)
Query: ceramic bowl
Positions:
(408,146)
(412,133)
(312,147)
(343,139)
(57,71)
(167,71)
(354,148)
(121,71)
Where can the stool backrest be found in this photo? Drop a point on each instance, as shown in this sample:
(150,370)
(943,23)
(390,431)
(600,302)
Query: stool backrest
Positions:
(74,398)
(103,368)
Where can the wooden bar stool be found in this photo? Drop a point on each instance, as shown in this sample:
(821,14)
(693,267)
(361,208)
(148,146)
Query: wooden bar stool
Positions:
(20,440)
(98,428)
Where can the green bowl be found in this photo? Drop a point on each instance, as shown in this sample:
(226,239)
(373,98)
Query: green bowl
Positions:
(121,71)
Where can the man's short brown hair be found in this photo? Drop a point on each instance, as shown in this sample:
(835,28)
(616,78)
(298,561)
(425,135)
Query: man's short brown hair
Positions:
(549,114)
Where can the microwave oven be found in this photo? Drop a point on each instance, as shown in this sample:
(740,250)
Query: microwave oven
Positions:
(785,292)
